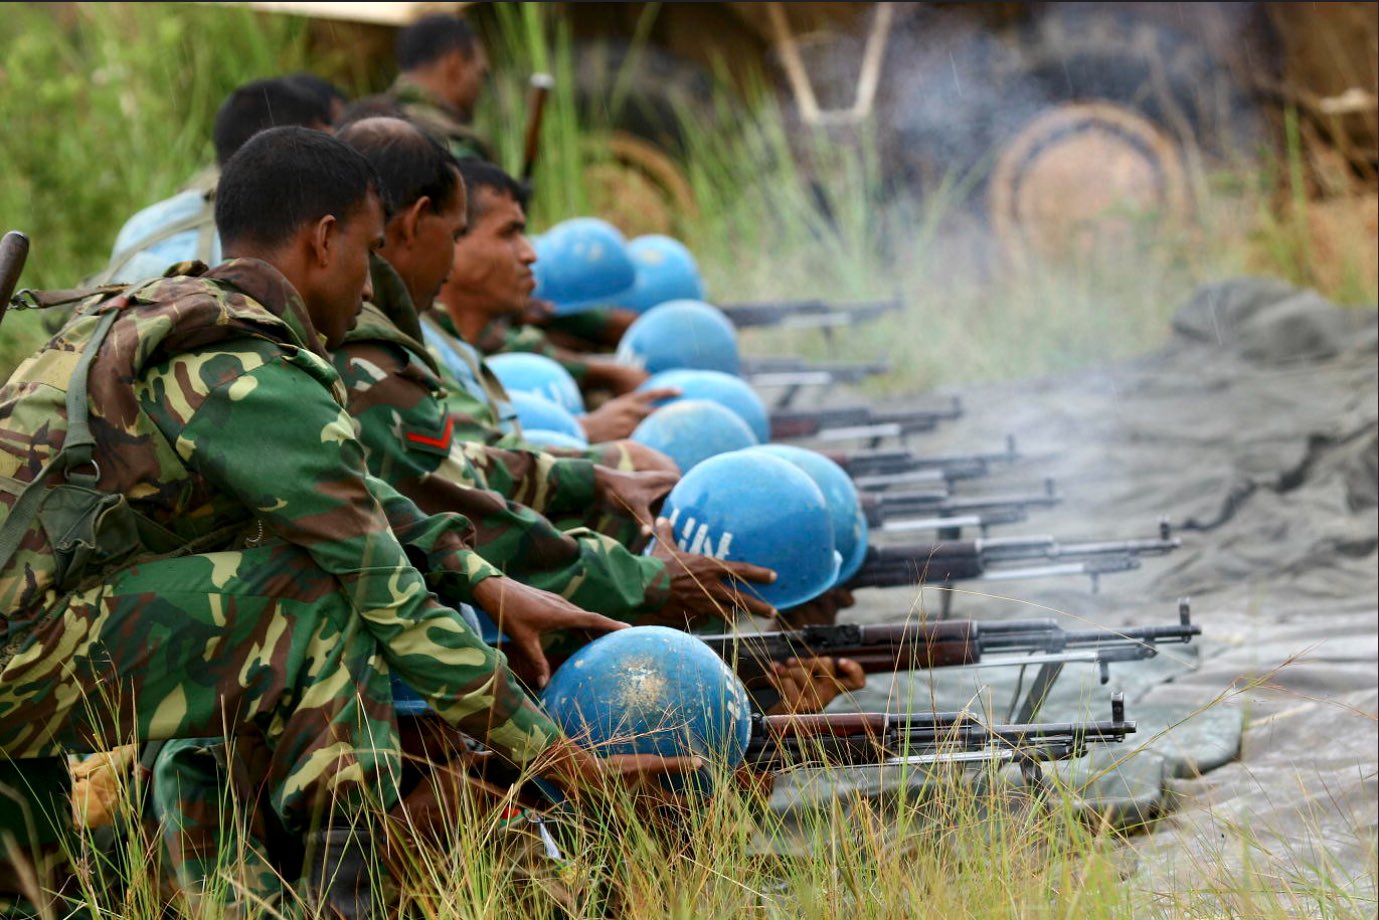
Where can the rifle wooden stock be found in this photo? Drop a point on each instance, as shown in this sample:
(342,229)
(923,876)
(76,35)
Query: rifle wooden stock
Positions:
(889,647)
(894,566)
(882,649)
(878,649)
(536,111)
(14,252)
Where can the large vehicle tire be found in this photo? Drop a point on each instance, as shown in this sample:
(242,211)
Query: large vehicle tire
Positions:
(635,180)
(1084,122)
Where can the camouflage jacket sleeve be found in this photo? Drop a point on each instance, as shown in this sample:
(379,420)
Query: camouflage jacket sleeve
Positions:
(259,426)
(409,443)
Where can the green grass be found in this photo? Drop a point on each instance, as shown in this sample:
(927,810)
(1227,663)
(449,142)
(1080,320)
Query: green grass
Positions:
(963,843)
(112,111)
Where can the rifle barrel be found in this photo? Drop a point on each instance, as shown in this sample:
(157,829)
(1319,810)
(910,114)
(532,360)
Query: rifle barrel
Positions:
(801,312)
(889,461)
(879,738)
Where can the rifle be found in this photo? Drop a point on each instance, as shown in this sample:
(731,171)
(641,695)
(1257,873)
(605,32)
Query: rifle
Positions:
(880,469)
(812,313)
(14,252)
(878,738)
(760,367)
(541,84)
(883,508)
(950,525)
(890,647)
(796,373)
(853,422)
(986,559)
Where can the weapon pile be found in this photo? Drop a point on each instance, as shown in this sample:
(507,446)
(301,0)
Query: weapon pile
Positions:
(904,491)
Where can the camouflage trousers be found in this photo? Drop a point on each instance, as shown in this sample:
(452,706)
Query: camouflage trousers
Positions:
(258,641)
(207,798)
(203,795)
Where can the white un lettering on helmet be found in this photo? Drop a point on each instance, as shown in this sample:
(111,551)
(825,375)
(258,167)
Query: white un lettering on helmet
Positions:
(694,537)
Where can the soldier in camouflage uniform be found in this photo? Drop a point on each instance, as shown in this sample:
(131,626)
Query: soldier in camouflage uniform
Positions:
(591,370)
(182,228)
(490,281)
(192,545)
(442,68)
(394,392)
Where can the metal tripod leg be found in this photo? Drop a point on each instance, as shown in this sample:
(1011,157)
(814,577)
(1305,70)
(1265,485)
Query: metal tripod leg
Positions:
(1039,691)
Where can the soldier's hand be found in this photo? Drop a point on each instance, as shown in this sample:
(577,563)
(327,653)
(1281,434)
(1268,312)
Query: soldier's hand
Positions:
(536,312)
(609,375)
(525,614)
(810,684)
(616,418)
(702,587)
(579,773)
(635,495)
(821,611)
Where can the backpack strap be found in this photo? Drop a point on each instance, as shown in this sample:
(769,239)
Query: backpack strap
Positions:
(76,451)
(205,241)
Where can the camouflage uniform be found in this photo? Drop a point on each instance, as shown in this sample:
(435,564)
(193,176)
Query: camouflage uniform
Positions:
(447,125)
(591,325)
(391,383)
(265,586)
(396,395)
(532,340)
(482,412)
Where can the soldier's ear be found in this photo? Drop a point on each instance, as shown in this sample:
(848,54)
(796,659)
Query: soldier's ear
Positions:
(409,221)
(324,240)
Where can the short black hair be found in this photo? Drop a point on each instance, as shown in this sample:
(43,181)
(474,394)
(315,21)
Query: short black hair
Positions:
(264,104)
(431,38)
(285,177)
(409,162)
(319,87)
(479,174)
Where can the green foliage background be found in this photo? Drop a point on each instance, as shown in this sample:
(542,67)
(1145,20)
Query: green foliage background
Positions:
(107,108)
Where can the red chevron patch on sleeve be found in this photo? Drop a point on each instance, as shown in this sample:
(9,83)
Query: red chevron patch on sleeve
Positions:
(442,443)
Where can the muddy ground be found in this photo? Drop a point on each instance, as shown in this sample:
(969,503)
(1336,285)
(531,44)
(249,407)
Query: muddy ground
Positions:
(1254,431)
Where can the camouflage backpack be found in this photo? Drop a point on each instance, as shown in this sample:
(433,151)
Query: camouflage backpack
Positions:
(63,527)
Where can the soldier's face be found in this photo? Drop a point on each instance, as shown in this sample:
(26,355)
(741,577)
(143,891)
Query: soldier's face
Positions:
(467,77)
(437,230)
(493,261)
(343,280)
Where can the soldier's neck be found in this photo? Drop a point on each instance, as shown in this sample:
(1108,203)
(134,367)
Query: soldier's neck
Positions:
(468,321)
(435,84)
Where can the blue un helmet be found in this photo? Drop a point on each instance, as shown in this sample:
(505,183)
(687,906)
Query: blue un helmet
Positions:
(583,265)
(690,431)
(844,508)
(522,372)
(544,415)
(666,270)
(728,391)
(652,690)
(750,506)
(681,333)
